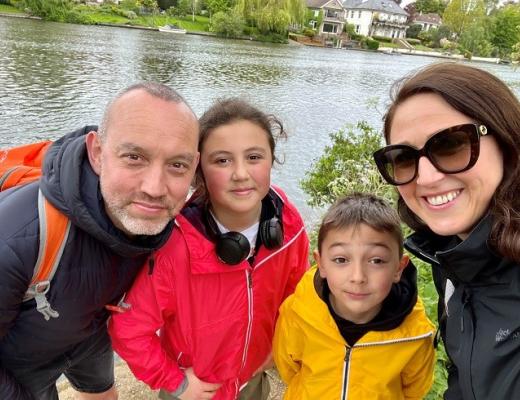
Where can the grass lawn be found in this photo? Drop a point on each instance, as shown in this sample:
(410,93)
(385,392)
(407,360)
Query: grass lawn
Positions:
(106,18)
(200,24)
(4,8)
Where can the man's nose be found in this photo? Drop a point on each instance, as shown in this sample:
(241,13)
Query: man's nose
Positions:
(154,181)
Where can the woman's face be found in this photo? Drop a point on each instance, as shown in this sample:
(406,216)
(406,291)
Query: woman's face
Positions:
(450,204)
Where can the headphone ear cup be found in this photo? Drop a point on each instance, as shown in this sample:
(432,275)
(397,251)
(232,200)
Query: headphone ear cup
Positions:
(271,233)
(232,248)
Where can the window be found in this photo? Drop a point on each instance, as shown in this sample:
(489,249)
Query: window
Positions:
(358,28)
(359,14)
(330,28)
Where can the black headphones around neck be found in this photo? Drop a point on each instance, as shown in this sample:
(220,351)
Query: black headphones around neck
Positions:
(233,247)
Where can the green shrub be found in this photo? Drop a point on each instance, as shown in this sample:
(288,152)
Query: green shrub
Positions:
(382,39)
(309,32)
(413,31)
(227,24)
(372,44)
(77,17)
(413,41)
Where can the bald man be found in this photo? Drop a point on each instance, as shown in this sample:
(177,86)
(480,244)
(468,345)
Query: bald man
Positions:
(120,186)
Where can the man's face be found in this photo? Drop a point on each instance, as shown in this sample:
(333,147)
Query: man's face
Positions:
(145,162)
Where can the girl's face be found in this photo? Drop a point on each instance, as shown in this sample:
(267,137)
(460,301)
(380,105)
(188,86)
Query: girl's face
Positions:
(450,204)
(236,163)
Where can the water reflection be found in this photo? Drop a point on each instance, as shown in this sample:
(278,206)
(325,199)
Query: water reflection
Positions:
(56,77)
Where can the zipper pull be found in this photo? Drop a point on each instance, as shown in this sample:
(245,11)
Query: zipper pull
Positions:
(466,297)
(151,263)
(249,279)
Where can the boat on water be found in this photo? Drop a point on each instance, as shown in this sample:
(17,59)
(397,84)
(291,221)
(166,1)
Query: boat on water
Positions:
(171,29)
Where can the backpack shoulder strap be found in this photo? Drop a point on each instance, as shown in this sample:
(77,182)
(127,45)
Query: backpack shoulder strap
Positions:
(54,231)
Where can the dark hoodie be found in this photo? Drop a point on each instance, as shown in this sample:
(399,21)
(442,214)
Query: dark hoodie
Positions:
(97,267)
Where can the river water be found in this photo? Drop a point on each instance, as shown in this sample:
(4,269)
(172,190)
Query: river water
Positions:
(57,77)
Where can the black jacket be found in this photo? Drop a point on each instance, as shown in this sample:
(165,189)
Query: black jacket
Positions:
(480,323)
(98,264)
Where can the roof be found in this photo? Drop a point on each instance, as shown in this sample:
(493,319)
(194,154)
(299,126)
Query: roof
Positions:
(430,18)
(388,6)
(315,3)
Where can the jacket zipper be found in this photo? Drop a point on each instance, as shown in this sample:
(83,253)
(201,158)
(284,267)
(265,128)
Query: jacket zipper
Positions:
(249,285)
(466,331)
(346,365)
(348,354)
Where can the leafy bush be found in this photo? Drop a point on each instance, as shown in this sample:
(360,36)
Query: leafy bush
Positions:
(372,44)
(76,17)
(382,39)
(51,10)
(346,166)
(413,41)
(413,31)
(228,25)
(309,32)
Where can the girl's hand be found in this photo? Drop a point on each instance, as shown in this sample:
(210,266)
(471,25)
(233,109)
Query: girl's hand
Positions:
(197,389)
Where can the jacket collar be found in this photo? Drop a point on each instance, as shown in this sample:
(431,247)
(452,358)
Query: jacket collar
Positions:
(461,261)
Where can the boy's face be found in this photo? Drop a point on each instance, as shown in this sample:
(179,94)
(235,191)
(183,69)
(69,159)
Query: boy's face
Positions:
(360,265)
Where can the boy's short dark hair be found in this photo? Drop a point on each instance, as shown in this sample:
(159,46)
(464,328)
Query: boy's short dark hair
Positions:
(361,208)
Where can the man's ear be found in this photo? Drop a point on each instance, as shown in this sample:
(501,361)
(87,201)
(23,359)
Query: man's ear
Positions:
(317,258)
(402,265)
(93,143)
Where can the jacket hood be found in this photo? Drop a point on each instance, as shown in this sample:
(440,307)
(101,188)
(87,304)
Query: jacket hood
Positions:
(460,261)
(71,185)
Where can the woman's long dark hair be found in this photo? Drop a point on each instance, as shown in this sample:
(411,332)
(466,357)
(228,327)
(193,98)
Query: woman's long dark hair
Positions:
(486,99)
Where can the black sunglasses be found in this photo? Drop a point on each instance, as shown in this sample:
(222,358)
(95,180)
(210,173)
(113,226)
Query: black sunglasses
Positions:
(451,150)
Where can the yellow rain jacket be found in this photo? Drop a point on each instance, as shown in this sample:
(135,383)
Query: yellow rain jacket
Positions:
(317,364)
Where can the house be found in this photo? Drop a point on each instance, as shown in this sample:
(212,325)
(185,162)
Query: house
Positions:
(427,21)
(332,16)
(376,17)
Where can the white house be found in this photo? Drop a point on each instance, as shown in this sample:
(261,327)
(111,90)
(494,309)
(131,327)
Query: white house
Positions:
(333,16)
(376,17)
(427,21)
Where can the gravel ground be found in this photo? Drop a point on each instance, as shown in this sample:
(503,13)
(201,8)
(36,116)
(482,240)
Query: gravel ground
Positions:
(130,388)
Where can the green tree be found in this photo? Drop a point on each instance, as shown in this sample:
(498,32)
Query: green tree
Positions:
(477,38)
(148,4)
(227,24)
(433,37)
(505,30)
(430,6)
(413,31)
(460,14)
(214,6)
(273,15)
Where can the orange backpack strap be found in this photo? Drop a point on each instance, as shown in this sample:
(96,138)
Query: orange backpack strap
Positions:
(54,230)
